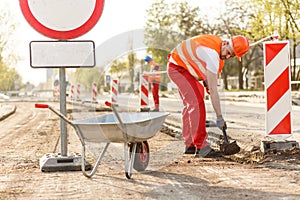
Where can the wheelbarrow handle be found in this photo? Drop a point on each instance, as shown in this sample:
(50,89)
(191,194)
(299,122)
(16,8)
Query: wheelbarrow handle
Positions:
(109,104)
(38,105)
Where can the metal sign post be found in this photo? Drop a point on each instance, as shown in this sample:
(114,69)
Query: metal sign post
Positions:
(57,54)
(62,20)
(63,110)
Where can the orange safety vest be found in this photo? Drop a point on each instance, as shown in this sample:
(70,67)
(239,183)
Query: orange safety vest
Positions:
(185,54)
(154,77)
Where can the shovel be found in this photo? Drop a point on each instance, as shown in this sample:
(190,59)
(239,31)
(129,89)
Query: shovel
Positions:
(229,148)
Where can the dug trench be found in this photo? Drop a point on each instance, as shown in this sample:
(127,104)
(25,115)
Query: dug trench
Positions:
(288,159)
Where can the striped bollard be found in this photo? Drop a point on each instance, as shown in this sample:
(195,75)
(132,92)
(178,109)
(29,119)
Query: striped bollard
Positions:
(278,90)
(144,90)
(114,91)
(78,92)
(94,92)
(72,92)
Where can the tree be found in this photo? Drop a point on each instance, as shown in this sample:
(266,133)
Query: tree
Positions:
(87,76)
(254,19)
(7,58)
(131,63)
(292,16)
(187,19)
(234,21)
(132,60)
(158,38)
(278,15)
(166,26)
(118,69)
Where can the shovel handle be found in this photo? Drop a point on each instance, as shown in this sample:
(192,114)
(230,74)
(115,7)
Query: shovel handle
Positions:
(225,135)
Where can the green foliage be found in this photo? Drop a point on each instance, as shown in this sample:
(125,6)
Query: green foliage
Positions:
(87,76)
(167,25)
(254,19)
(118,68)
(7,78)
(160,36)
(7,73)
(187,20)
(282,16)
(132,60)
(275,15)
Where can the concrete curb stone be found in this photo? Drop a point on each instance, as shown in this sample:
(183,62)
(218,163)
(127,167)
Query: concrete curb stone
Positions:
(6,111)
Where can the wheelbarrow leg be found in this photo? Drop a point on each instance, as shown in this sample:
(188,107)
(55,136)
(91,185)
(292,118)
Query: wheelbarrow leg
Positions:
(129,164)
(93,171)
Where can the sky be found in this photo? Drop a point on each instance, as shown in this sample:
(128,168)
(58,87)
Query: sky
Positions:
(118,17)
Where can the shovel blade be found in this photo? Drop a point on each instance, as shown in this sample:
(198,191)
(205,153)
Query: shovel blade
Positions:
(230,148)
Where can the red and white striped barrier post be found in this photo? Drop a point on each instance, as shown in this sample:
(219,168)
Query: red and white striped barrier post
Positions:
(278,90)
(78,92)
(144,90)
(114,91)
(72,92)
(94,92)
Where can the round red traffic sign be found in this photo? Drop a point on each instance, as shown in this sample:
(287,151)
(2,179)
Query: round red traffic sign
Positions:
(62,19)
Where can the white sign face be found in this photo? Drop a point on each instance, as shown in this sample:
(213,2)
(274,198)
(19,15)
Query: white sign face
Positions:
(56,54)
(62,15)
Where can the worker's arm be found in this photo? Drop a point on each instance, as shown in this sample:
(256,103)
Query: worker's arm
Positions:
(212,81)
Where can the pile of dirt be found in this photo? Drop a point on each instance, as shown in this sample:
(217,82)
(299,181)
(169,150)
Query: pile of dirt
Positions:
(288,159)
(271,157)
(169,131)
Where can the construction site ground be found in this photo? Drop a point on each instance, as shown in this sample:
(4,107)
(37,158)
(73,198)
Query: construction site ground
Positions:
(29,133)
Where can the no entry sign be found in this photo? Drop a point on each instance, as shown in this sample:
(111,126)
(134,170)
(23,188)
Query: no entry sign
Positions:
(62,19)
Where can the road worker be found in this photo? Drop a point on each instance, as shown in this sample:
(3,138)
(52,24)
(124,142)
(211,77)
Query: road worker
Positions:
(154,79)
(201,58)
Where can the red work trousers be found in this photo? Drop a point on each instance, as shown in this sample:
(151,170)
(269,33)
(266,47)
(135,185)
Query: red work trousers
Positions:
(155,90)
(193,113)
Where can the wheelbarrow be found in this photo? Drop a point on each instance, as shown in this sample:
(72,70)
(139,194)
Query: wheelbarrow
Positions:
(131,128)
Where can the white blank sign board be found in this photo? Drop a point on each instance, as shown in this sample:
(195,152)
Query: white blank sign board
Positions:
(56,54)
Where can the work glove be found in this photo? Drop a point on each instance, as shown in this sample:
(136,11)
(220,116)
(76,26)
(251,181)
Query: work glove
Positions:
(206,86)
(221,123)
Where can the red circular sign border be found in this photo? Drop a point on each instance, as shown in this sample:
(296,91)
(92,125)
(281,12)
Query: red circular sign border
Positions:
(62,35)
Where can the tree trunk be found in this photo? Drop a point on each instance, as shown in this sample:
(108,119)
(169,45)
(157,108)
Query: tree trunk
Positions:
(241,81)
(225,81)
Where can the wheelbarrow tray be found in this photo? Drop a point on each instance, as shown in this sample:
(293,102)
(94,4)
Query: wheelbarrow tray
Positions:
(130,129)
(106,128)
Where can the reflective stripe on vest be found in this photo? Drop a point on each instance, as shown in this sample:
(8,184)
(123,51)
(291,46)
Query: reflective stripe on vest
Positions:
(185,54)
(155,77)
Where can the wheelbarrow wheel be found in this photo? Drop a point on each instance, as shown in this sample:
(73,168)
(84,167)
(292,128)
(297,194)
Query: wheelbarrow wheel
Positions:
(142,155)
